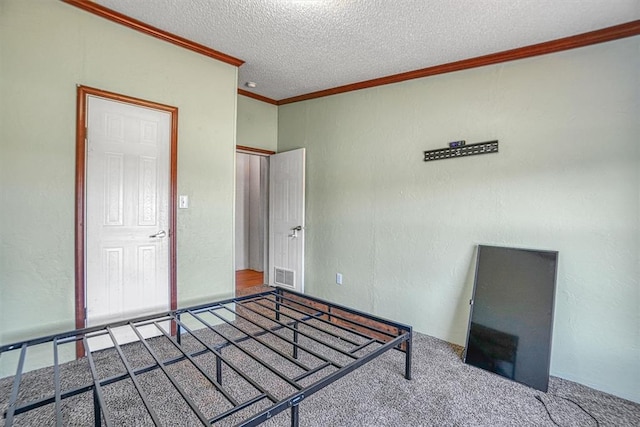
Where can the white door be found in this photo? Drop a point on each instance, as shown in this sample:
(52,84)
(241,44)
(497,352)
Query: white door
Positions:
(286,219)
(127,214)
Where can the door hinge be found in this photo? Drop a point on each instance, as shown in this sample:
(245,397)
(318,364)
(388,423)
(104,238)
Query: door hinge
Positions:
(85,313)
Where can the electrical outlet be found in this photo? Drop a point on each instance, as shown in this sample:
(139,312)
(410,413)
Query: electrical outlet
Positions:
(339,278)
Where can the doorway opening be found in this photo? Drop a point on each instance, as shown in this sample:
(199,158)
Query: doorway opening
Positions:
(252,219)
(270,219)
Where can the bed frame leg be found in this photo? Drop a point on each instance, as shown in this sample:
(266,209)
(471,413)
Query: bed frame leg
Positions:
(278,299)
(97,416)
(219,370)
(295,416)
(178,334)
(407,355)
(295,340)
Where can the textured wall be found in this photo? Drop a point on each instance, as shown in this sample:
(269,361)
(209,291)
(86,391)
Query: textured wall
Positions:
(47,48)
(257,127)
(403,232)
(257,124)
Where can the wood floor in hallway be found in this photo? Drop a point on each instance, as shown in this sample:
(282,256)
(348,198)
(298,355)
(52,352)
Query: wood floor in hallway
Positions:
(249,282)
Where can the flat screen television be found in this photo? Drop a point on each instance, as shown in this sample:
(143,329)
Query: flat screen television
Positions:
(511,319)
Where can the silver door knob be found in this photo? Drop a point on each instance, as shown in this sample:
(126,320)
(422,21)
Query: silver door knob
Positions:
(159,235)
(295,231)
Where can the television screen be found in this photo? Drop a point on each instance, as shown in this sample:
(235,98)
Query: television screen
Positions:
(511,319)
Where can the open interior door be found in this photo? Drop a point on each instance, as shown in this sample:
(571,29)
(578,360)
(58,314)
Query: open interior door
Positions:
(286,219)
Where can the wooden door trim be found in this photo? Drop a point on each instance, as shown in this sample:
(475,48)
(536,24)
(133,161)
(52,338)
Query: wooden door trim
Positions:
(255,151)
(80,197)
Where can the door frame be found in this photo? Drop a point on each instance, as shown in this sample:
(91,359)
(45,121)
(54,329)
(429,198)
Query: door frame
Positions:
(260,152)
(80,197)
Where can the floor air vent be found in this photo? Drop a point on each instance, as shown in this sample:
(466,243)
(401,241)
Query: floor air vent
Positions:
(284,277)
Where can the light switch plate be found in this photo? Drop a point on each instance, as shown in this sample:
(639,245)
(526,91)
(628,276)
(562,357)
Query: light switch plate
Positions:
(183,202)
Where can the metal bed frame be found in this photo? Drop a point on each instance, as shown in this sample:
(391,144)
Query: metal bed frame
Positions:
(299,327)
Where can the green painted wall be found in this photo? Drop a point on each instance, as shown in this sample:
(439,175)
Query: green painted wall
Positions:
(46,48)
(257,124)
(403,232)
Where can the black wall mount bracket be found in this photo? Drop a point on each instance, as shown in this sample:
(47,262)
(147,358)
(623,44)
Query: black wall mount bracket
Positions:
(465,150)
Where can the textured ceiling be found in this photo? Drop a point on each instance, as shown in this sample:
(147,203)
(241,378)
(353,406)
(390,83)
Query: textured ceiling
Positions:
(294,47)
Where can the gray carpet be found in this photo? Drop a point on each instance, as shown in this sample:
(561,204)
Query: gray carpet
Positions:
(443,392)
